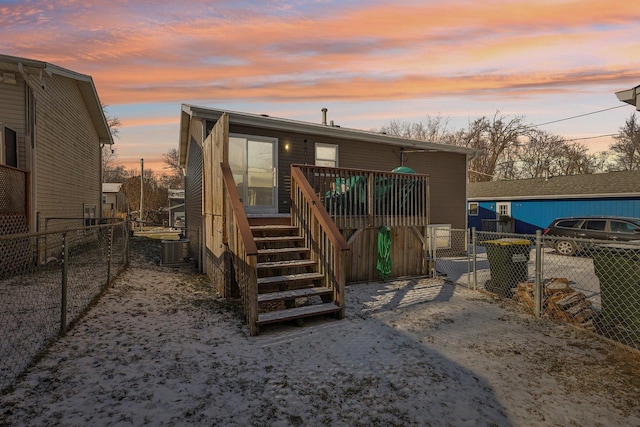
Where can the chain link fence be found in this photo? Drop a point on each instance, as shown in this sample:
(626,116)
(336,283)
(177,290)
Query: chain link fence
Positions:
(597,288)
(47,282)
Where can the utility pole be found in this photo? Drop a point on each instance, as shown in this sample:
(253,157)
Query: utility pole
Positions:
(141,192)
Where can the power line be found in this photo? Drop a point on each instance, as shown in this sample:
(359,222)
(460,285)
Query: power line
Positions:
(579,115)
(590,137)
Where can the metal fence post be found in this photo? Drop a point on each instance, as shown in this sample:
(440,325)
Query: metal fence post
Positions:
(474,257)
(467,242)
(63,300)
(538,276)
(110,249)
(127,249)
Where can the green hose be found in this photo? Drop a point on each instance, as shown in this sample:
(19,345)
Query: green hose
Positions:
(384,252)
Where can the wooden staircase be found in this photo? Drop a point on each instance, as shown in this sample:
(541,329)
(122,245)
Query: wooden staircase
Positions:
(289,285)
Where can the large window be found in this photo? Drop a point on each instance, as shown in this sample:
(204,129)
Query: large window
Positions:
(326,155)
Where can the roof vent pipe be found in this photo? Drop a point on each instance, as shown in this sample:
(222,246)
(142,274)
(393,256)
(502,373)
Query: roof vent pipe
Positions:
(324,116)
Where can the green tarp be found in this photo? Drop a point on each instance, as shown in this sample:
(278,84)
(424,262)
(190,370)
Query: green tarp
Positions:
(384,252)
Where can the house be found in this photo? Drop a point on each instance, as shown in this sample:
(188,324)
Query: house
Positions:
(531,204)
(278,209)
(112,199)
(176,208)
(52,128)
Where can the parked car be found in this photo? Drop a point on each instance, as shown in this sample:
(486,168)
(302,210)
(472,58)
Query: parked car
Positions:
(564,231)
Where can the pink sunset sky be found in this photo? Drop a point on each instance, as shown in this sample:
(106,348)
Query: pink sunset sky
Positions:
(368,62)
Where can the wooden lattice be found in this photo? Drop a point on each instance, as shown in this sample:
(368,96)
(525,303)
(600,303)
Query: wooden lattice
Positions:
(15,254)
(13,191)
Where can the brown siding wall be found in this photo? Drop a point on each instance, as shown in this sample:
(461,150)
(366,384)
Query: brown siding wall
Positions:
(447,171)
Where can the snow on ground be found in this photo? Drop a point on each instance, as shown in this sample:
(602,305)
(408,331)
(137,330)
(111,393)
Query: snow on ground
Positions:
(159,350)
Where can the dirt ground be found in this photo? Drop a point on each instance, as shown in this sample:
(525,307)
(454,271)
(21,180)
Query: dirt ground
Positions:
(160,349)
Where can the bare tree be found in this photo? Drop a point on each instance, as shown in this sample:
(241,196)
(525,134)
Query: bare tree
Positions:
(496,139)
(155,195)
(433,130)
(112,121)
(175,179)
(110,171)
(536,156)
(626,149)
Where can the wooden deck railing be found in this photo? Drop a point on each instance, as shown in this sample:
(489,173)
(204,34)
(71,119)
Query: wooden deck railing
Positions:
(327,244)
(242,250)
(357,198)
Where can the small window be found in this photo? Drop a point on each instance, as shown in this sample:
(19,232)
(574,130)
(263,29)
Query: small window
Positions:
(503,208)
(327,155)
(473,209)
(594,225)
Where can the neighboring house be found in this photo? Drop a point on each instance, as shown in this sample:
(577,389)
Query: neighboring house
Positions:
(176,208)
(112,200)
(52,128)
(533,203)
(282,170)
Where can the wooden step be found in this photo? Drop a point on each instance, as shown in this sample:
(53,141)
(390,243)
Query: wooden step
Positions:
(286,264)
(276,239)
(289,278)
(293,294)
(273,228)
(297,313)
(260,220)
(280,251)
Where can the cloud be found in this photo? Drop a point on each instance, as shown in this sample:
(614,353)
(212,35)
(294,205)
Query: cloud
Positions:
(285,50)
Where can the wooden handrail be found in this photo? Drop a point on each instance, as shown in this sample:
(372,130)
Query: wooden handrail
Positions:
(360,171)
(323,217)
(238,210)
(358,198)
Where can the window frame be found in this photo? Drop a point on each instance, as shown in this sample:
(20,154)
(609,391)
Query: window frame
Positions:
(506,205)
(325,145)
(471,211)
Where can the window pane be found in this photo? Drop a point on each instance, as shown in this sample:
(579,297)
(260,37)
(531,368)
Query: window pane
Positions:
(326,153)
(622,227)
(594,225)
(473,209)
(569,224)
(328,163)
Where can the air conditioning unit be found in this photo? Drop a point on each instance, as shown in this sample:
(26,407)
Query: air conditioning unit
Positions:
(175,251)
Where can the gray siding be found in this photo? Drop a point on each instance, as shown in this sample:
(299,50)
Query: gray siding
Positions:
(193,197)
